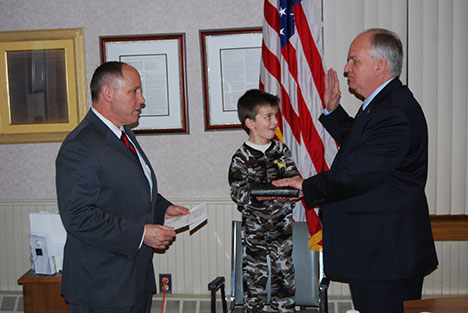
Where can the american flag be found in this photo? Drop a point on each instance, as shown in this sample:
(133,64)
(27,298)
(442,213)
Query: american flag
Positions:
(292,69)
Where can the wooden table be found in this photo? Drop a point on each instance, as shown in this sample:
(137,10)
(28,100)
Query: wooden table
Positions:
(438,305)
(41,294)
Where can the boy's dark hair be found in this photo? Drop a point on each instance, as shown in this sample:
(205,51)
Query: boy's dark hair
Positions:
(250,102)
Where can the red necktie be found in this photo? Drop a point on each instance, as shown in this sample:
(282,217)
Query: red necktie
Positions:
(128,143)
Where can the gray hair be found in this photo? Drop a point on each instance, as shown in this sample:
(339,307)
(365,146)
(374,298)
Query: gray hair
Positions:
(386,45)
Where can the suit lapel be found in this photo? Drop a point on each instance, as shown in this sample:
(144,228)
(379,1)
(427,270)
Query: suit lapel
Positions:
(132,136)
(114,142)
(383,94)
(111,138)
(379,98)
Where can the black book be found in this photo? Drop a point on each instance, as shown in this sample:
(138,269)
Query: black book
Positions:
(268,190)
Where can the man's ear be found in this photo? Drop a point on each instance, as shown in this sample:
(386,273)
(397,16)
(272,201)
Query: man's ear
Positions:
(107,92)
(381,67)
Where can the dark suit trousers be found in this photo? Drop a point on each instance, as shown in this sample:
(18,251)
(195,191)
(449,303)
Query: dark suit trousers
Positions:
(142,306)
(384,296)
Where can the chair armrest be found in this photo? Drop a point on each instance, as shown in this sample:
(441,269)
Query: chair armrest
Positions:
(213,286)
(216,283)
(323,295)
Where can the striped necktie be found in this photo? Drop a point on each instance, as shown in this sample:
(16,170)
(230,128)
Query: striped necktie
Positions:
(128,143)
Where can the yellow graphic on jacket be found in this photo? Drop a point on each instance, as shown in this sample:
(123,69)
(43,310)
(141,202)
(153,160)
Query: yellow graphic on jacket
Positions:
(279,164)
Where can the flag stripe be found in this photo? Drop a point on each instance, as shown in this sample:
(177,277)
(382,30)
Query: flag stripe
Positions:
(312,140)
(292,69)
(273,66)
(271,16)
(313,57)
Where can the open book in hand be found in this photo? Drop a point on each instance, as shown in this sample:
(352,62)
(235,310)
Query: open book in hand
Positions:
(268,190)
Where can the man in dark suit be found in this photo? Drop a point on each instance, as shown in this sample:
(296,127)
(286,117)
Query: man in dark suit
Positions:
(109,202)
(376,227)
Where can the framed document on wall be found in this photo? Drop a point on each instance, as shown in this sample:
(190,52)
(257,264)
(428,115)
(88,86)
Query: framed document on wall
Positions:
(231,65)
(160,60)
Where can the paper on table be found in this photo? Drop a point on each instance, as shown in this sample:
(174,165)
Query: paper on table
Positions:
(198,215)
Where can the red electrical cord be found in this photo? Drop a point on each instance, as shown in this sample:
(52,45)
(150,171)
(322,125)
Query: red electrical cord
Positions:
(164,281)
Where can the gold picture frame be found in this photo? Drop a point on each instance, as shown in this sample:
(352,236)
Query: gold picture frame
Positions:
(42,84)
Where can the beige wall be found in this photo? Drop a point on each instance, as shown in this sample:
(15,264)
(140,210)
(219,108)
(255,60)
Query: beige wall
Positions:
(195,165)
(187,166)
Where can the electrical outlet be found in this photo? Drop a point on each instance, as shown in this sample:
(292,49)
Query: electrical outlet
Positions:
(168,284)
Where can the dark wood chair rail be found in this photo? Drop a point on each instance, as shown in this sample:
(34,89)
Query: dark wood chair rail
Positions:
(450,227)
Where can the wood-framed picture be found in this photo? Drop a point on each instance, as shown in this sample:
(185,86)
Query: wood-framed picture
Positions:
(231,66)
(160,60)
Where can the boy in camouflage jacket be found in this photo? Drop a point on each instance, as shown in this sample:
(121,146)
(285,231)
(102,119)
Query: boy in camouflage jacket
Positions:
(266,222)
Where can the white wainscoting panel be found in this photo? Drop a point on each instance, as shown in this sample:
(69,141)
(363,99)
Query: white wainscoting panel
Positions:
(195,259)
(14,238)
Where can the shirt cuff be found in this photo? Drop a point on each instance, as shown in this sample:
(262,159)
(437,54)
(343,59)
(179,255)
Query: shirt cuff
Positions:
(326,112)
(142,237)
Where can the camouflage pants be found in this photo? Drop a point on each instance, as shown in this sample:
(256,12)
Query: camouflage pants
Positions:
(272,238)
